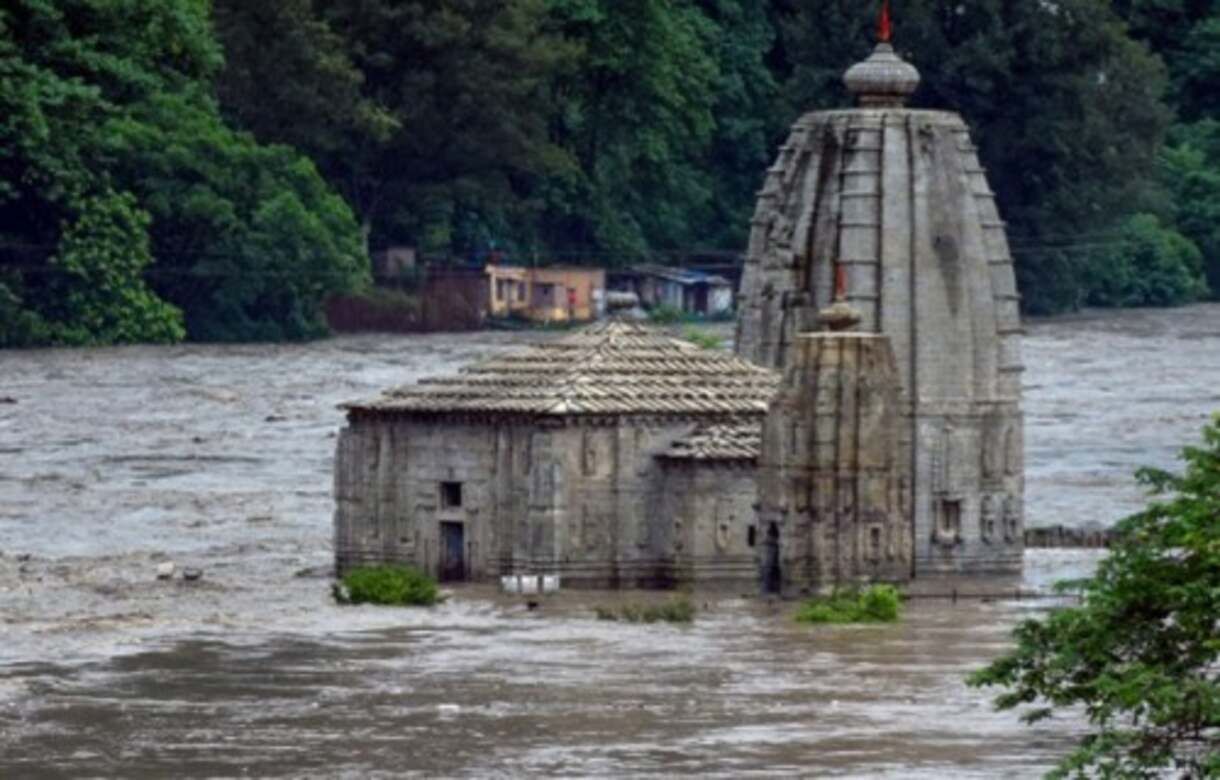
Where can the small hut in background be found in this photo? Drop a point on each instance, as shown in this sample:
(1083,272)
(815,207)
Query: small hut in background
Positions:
(546,294)
(687,290)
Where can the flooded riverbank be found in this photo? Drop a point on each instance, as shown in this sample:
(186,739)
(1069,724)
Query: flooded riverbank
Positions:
(114,461)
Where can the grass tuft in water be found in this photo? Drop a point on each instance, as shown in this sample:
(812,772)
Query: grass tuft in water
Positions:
(875,604)
(396,586)
(703,339)
(678,610)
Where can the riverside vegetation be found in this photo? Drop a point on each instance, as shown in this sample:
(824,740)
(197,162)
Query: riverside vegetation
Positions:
(1139,656)
(677,610)
(874,604)
(216,170)
(396,586)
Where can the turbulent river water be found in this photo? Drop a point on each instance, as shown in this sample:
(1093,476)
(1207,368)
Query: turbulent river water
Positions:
(115,460)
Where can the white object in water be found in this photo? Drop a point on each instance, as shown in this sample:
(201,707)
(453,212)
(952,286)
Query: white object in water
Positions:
(529,585)
(510,584)
(550,583)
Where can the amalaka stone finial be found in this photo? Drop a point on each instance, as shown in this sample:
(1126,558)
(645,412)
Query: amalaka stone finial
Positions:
(839,315)
(884,79)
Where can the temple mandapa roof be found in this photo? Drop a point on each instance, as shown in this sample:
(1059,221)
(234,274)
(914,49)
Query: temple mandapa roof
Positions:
(737,440)
(606,368)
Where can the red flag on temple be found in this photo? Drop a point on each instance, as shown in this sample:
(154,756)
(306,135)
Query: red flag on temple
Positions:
(840,282)
(883,24)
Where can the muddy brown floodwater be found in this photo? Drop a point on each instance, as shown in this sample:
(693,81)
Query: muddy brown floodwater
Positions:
(115,460)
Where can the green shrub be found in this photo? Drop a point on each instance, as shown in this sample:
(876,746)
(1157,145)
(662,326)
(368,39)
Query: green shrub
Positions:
(666,314)
(875,604)
(703,339)
(678,610)
(390,586)
(1147,265)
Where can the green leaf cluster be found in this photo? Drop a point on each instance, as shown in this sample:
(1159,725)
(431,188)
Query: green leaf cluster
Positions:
(128,208)
(1139,657)
(703,339)
(874,604)
(1190,172)
(100,297)
(1148,264)
(250,238)
(394,586)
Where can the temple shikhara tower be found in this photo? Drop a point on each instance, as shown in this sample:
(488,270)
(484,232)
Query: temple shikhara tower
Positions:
(868,429)
(896,198)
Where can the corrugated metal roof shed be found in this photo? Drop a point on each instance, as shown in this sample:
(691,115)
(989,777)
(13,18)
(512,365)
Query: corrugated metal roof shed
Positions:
(683,276)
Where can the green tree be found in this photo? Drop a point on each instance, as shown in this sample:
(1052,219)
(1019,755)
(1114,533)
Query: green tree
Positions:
(289,78)
(73,243)
(428,117)
(748,121)
(1146,264)
(1190,171)
(100,298)
(635,110)
(1139,657)
(1185,33)
(250,239)
(1196,69)
(106,120)
(570,125)
(1066,110)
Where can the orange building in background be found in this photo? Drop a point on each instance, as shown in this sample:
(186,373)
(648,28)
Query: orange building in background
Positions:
(546,294)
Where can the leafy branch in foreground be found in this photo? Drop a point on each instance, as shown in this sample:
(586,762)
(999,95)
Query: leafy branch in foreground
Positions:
(1139,656)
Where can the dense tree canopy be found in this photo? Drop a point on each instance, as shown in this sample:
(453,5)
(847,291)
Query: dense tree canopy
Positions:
(1190,172)
(265,147)
(635,112)
(125,200)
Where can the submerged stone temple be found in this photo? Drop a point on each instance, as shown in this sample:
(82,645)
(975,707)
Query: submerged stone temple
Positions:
(867,429)
(615,456)
(896,199)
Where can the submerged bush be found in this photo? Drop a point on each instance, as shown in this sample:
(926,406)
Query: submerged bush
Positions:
(875,604)
(398,586)
(679,610)
(703,339)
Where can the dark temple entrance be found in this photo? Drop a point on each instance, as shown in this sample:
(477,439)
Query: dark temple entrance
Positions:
(453,559)
(772,582)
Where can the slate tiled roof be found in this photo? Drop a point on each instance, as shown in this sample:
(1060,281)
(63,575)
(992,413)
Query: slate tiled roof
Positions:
(739,440)
(606,368)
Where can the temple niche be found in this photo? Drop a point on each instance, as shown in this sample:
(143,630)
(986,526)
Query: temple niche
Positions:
(897,199)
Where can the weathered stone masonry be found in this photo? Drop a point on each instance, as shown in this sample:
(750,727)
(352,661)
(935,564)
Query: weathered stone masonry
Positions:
(897,199)
(601,456)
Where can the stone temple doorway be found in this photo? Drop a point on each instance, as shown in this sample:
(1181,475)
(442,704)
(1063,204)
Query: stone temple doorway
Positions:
(453,558)
(772,581)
